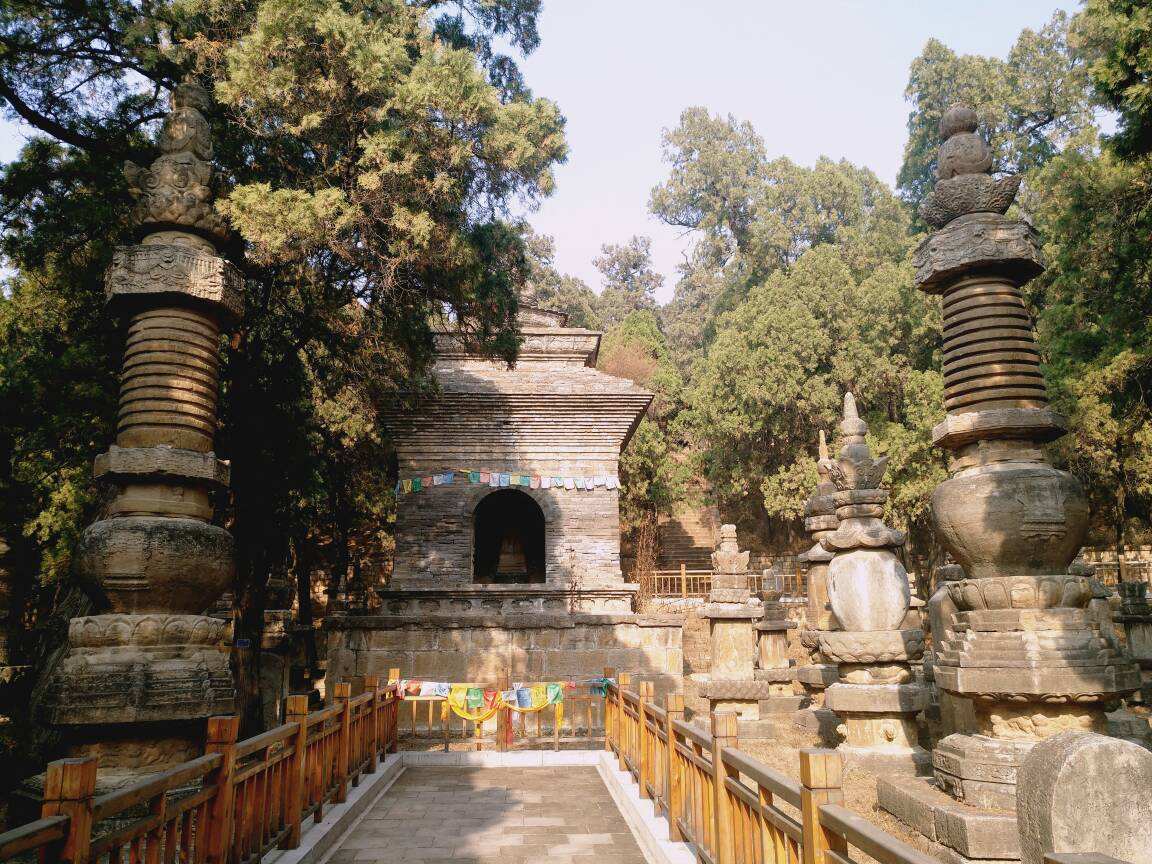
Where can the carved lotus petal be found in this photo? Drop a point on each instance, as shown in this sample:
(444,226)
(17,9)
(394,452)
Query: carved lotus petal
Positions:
(1065,591)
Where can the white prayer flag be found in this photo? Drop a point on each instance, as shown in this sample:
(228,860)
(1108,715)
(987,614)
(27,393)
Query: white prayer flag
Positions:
(569,483)
(545,482)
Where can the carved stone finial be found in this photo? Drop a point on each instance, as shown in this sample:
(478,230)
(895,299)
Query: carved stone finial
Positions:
(855,468)
(176,190)
(964,185)
(822,448)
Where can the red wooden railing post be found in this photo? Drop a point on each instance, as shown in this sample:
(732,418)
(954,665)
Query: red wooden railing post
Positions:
(724,734)
(503,717)
(343,696)
(222,733)
(372,685)
(821,779)
(68,791)
(297,712)
(643,760)
(622,730)
(674,709)
(609,674)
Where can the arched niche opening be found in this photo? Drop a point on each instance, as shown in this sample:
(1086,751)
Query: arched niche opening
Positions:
(508,539)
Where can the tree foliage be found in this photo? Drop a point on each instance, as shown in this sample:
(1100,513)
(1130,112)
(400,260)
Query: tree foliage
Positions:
(370,152)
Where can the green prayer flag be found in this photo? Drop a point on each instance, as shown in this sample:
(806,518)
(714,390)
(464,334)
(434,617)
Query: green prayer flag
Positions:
(474,698)
(473,476)
(555,693)
(417,484)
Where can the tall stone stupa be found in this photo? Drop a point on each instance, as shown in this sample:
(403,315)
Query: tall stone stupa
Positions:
(140,679)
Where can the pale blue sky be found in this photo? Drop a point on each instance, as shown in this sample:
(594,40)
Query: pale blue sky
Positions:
(815,78)
(823,77)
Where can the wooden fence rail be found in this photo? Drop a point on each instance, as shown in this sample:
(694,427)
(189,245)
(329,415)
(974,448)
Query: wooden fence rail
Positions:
(686,583)
(232,805)
(728,807)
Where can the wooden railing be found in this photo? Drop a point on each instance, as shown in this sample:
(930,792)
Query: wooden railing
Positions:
(232,805)
(685,583)
(578,719)
(728,807)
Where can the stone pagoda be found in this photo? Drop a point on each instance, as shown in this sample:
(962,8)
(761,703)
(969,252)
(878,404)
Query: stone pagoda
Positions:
(875,695)
(508,523)
(820,520)
(731,683)
(139,680)
(1024,648)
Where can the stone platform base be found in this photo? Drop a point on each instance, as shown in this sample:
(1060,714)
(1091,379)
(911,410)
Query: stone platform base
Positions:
(818,674)
(915,762)
(959,833)
(781,704)
(527,647)
(821,721)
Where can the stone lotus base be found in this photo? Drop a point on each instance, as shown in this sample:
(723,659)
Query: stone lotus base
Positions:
(957,833)
(132,669)
(867,647)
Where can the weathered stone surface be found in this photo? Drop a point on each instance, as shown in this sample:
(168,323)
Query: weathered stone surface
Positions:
(975,241)
(134,687)
(1080,792)
(993,424)
(167,272)
(161,462)
(968,831)
(153,564)
(876,646)
(524,647)
(818,675)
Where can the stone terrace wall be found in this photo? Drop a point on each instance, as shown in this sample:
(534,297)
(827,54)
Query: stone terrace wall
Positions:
(526,648)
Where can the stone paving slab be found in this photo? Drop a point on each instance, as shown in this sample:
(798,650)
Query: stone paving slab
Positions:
(488,815)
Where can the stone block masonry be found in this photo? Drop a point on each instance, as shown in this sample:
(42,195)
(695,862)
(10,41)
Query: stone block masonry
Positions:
(525,648)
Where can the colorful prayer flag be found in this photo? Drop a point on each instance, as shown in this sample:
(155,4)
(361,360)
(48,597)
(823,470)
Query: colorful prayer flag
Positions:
(569,483)
(474,476)
(449,478)
(505,479)
(545,482)
(417,484)
(579,482)
(535,482)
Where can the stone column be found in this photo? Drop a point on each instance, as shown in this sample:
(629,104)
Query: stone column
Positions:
(138,682)
(819,521)
(868,590)
(731,684)
(1024,648)
(773,666)
(1136,619)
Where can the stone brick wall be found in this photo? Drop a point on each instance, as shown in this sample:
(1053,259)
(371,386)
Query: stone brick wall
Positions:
(434,536)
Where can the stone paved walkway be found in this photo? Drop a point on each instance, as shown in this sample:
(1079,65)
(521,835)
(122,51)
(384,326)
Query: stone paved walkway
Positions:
(482,815)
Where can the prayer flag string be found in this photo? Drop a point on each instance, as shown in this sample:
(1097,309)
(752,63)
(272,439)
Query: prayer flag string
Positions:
(499,479)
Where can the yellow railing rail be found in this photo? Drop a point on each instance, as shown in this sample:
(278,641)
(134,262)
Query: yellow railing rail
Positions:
(730,808)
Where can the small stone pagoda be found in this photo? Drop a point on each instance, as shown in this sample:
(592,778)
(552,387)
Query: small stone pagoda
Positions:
(820,520)
(508,523)
(1023,646)
(875,695)
(732,683)
(139,681)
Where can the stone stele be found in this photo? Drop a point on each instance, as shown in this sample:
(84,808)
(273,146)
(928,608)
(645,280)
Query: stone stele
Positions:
(1083,792)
